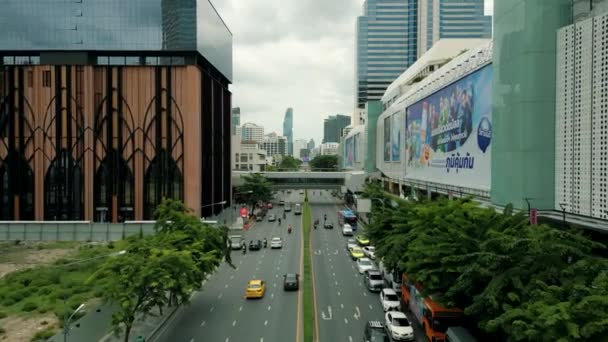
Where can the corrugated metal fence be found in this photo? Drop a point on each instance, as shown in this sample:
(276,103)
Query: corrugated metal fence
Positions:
(72,230)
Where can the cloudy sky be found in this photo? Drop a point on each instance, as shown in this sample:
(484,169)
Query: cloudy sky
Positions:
(293,53)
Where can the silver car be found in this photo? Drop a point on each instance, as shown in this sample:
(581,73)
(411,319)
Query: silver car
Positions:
(374,280)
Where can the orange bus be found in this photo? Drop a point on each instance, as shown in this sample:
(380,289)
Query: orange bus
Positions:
(432,316)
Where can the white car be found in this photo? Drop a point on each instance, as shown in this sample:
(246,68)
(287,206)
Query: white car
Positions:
(276,242)
(347,230)
(389,300)
(301,192)
(399,326)
(370,252)
(350,243)
(364,264)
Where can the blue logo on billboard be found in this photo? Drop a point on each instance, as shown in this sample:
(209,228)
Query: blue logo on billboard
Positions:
(484,134)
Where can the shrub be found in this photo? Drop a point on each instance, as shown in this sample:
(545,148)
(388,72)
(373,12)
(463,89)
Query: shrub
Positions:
(2,331)
(8,301)
(44,334)
(2,314)
(29,306)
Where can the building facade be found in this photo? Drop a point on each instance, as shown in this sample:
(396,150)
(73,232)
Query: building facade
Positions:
(311,144)
(298,147)
(385,46)
(250,157)
(333,126)
(275,145)
(236,118)
(451,19)
(288,130)
(95,112)
(251,133)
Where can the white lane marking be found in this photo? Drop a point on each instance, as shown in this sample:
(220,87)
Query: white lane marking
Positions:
(350,339)
(231,277)
(227,339)
(261,339)
(276,275)
(272,295)
(269,307)
(220,296)
(241,308)
(212,308)
(191,340)
(357,313)
(334,274)
(233,323)
(341,306)
(266,322)
(336,283)
(331,266)
(371,307)
(226,286)
(275,284)
(365,294)
(345,320)
(338,293)
(329,316)
(203,324)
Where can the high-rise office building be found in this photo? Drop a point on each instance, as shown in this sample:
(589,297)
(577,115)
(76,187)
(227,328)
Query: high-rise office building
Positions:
(236,118)
(386,46)
(298,146)
(107,107)
(288,130)
(250,133)
(333,126)
(311,144)
(445,19)
(275,145)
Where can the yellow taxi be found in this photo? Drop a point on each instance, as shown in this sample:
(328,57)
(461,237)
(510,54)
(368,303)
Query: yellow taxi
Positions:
(255,289)
(362,240)
(356,253)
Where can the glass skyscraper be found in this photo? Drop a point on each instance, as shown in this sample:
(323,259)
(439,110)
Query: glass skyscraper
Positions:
(386,45)
(439,19)
(288,130)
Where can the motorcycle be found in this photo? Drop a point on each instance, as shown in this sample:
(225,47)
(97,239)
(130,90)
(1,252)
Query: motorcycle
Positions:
(289,230)
(245,249)
(279,221)
(265,243)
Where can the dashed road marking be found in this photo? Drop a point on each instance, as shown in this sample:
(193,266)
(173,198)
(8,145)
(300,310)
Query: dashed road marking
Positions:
(336,283)
(191,340)
(338,293)
(272,295)
(233,323)
(226,286)
(220,296)
(341,306)
(261,339)
(350,339)
(334,274)
(275,284)
(231,277)
(345,320)
(212,308)
(203,324)
(227,339)
(266,322)
(365,294)
(371,307)
(241,308)
(269,307)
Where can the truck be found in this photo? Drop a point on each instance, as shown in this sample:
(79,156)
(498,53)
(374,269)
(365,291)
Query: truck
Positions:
(434,318)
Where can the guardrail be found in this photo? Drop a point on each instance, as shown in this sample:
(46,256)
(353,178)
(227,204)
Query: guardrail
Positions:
(72,230)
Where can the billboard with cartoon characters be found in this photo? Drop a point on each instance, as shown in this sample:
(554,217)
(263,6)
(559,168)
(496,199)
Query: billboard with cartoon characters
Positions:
(448,134)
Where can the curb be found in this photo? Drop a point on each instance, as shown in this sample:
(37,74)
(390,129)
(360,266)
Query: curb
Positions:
(152,335)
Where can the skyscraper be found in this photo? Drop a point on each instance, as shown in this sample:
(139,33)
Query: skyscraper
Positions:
(332,127)
(250,133)
(311,144)
(288,130)
(386,45)
(236,118)
(298,146)
(438,19)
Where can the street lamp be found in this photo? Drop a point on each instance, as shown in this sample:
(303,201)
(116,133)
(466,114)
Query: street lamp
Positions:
(563,206)
(527,199)
(213,204)
(66,325)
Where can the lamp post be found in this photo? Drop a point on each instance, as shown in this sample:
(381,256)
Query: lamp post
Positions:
(563,206)
(212,205)
(66,325)
(527,199)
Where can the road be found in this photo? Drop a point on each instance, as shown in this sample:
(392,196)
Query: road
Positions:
(344,305)
(221,313)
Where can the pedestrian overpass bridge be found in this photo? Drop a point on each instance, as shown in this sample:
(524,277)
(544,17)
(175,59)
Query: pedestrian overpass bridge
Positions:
(353,180)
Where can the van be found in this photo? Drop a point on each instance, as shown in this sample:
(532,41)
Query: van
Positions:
(298,209)
(458,334)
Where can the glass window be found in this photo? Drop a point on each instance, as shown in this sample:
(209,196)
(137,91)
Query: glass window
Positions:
(102,60)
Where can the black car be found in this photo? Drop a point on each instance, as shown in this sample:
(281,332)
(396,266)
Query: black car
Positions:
(328,225)
(255,245)
(374,332)
(291,282)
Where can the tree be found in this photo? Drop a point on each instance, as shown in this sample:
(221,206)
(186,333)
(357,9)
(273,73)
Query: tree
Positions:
(255,188)
(521,282)
(324,163)
(289,163)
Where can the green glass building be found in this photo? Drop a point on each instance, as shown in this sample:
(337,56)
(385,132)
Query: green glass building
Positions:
(524,59)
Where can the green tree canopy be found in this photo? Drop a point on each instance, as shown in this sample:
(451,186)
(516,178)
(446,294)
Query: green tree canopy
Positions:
(255,188)
(522,282)
(289,163)
(324,163)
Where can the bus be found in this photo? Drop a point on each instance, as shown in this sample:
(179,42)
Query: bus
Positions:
(347,216)
(432,316)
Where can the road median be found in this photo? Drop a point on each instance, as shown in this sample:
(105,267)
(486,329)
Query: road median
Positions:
(309,295)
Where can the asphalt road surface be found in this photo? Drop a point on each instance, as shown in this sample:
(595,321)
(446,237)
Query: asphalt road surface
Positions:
(220,312)
(344,305)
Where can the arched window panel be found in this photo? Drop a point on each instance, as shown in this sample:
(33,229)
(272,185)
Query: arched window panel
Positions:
(5,207)
(26,191)
(163,179)
(63,188)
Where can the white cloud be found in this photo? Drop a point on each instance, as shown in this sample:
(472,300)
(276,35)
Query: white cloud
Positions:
(290,53)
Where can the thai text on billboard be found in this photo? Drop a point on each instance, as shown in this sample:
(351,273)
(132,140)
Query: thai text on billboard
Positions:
(448,134)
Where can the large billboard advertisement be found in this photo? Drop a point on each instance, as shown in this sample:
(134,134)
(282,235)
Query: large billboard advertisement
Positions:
(349,153)
(387,139)
(448,134)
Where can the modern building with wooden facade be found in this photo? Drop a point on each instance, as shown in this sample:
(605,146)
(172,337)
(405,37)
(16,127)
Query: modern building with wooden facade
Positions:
(107,107)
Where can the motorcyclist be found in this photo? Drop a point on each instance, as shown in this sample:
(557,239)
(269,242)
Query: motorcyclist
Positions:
(265,243)
(244,248)
(289,229)
(279,221)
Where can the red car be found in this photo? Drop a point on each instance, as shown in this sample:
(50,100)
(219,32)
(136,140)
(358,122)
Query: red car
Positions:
(269,206)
